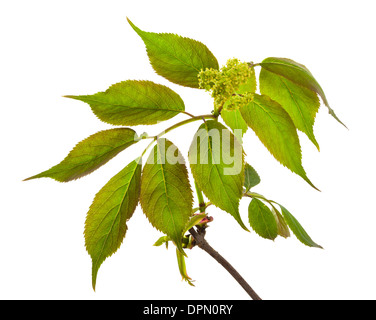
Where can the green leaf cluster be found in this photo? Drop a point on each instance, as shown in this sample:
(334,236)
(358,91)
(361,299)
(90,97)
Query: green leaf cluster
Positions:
(288,101)
(269,222)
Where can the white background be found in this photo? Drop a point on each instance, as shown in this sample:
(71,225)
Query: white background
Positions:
(54,48)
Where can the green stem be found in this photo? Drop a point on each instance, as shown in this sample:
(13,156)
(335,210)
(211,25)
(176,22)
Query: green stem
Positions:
(259,196)
(188,114)
(177,125)
(254,64)
(198,208)
(200,197)
(182,123)
(218,111)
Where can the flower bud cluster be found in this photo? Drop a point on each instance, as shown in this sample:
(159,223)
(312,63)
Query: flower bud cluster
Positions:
(224,83)
(237,101)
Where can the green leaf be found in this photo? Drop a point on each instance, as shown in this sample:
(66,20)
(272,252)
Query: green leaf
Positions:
(300,103)
(217,163)
(298,74)
(277,132)
(183,268)
(91,153)
(235,121)
(262,220)
(297,229)
(162,240)
(134,102)
(252,178)
(283,229)
(176,58)
(113,206)
(195,220)
(166,196)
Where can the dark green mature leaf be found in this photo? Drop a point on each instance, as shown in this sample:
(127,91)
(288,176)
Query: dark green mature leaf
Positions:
(297,229)
(252,178)
(300,103)
(217,164)
(134,102)
(298,74)
(166,196)
(113,206)
(277,132)
(176,58)
(262,220)
(91,153)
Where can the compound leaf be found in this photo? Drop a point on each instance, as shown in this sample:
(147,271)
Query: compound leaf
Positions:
(91,153)
(176,58)
(166,196)
(217,164)
(277,132)
(298,74)
(134,102)
(113,206)
(262,220)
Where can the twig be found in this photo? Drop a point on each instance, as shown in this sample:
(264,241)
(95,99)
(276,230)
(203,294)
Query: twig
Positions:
(199,238)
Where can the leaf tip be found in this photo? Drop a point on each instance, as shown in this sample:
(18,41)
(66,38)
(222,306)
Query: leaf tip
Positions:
(310,183)
(70,96)
(332,113)
(94,276)
(40,175)
(133,25)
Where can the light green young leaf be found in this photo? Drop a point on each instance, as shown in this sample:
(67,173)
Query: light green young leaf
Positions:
(283,229)
(162,240)
(217,163)
(134,102)
(235,121)
(300,103)
(113,206)
(298,74)
(196,219)
(297,229)
(252,178)
(166,196)
(277,132)
(183,268)
(262,220)
(176,58)
(91,153)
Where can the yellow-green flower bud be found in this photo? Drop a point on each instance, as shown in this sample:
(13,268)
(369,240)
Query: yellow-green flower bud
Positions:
(224,83)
